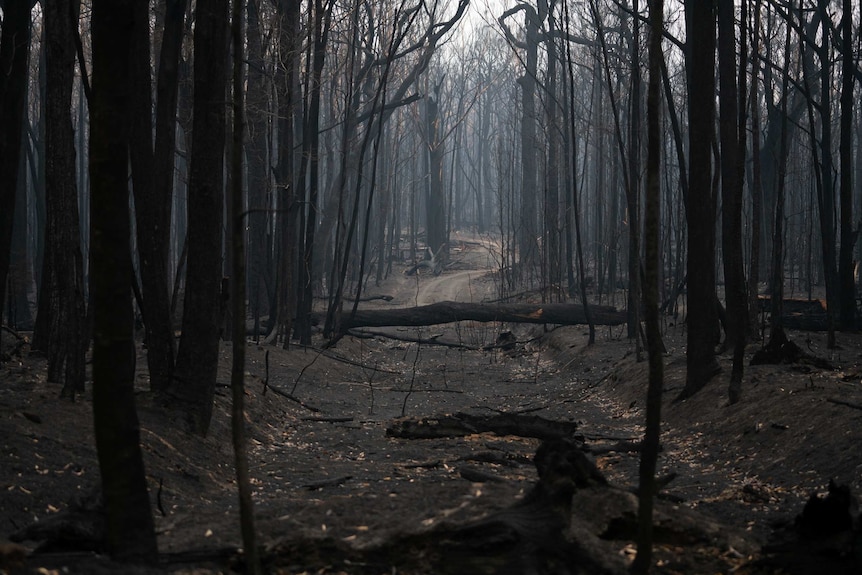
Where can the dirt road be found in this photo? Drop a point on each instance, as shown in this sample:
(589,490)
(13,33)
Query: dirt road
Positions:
(469,282)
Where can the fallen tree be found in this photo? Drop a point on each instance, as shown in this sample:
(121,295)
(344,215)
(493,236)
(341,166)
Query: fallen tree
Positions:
(450,311)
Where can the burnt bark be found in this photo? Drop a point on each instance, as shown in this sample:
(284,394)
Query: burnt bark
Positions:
(655,347)
(61,297)
(153,185)
(847,287)
(700,215)
(287,82)
(197,358)
(731,196)
(14,59)
(130,528)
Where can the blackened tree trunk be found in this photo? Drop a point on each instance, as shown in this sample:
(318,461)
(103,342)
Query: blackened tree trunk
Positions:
(152,189)
(311,162)
(634,186)
(652,264)
(61,296)
(287,85)
(435,212)
(528,248)
(756,180)
(258,170)
(238,278)
(776,328)
(700,216)
(203,308)
(155,248)
(731,194)
(572,177)
(130,529)
(14,59)
(847,287)
(551,201)
(826,199)
(20,278)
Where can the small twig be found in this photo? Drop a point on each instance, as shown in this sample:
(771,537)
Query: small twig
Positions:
(421,465)
(159,498)
(432,390)
(412,377)
(266,378)
(302,371)
(292,397)
(328,419)
(335,482)
(8,329)
(368,334)
(844,403)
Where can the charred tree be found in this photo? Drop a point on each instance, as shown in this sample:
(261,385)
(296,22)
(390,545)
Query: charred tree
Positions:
(700,215)
(14,60)
(655,347)
(287,86)
(61,294)
(309,172)
(197,358)
(152,182)
(130,528)
(847,287)
(731,197)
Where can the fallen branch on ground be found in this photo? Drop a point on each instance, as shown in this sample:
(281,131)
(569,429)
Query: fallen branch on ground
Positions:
(461,424)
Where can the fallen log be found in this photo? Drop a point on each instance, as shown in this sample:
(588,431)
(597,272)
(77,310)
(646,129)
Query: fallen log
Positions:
(450,311)
(461,424)
(801,314)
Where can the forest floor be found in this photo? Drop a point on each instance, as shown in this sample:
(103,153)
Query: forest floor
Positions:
(335,493)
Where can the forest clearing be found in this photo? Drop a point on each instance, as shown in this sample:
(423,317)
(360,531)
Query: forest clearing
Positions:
(337,491)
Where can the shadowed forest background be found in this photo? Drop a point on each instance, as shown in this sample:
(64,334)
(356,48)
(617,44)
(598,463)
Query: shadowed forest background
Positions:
(189,187)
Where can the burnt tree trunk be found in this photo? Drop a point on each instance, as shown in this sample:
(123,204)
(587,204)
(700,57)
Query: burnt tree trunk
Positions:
(731,204)
(153,185)
(197,357)
(62,291)
(14,59)
(700,215)
(130,529)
